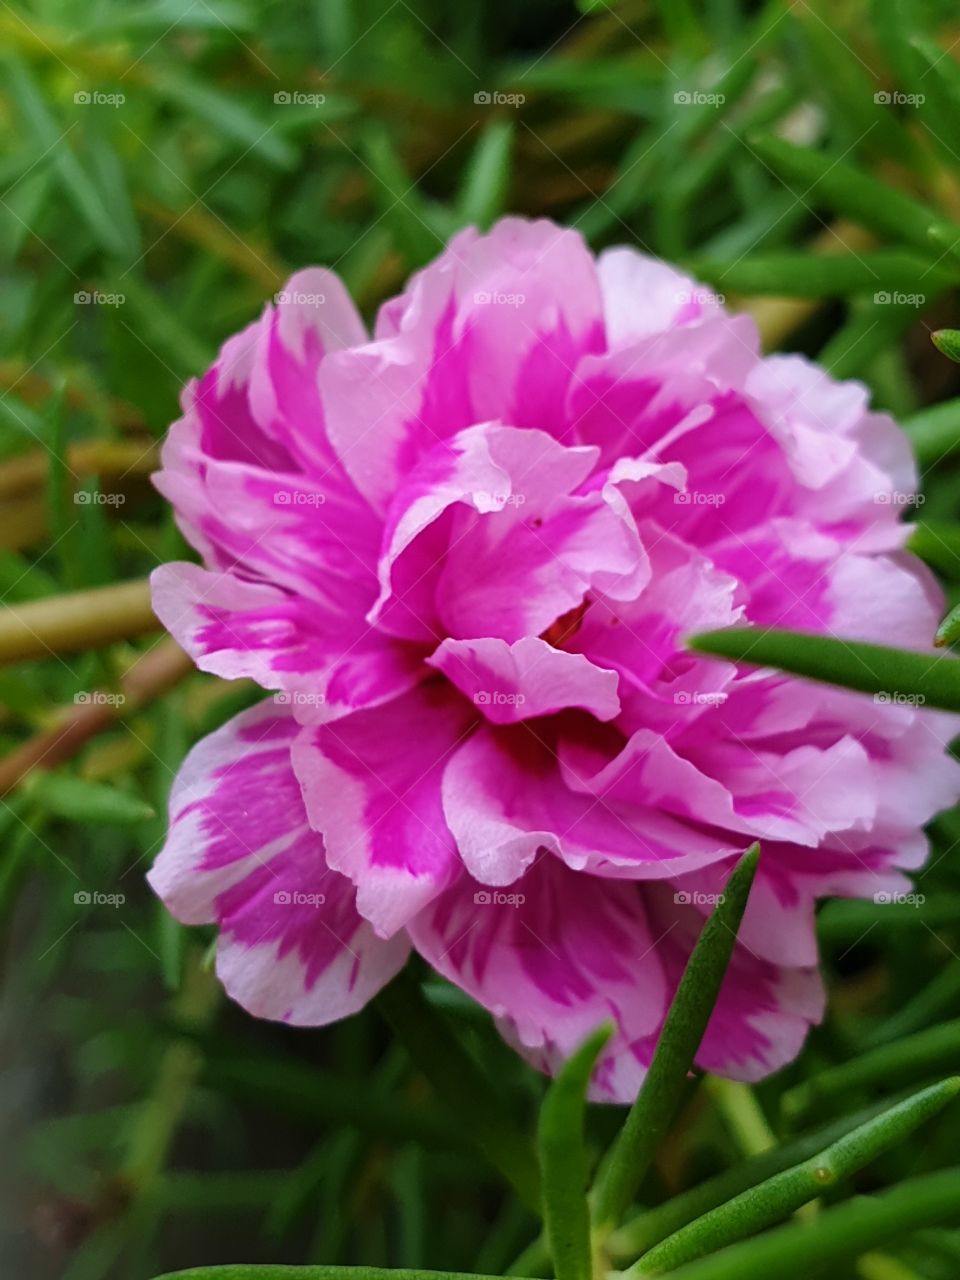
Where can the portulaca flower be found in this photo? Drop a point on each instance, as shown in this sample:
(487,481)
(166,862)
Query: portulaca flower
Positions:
(463,556)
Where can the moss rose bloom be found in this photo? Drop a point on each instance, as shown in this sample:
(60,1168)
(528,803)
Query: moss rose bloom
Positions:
(463,556)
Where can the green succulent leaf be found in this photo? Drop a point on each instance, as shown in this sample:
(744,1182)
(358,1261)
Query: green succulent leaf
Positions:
(564,1165)
(889,674)
(628,1159)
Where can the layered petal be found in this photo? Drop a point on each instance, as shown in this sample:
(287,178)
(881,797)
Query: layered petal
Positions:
(241,854)
(490,537)
(551,958)
(492,330)
(467,554)
(371,783)
(527,679)
(234,628)
(510,793)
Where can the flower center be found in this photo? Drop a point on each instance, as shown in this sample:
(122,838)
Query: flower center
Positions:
(567,625)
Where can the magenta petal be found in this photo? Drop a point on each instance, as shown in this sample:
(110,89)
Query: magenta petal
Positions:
(507,796)
(371,783)
(490,536)
(552,956)
(235,628)
(510,682)
(241,854)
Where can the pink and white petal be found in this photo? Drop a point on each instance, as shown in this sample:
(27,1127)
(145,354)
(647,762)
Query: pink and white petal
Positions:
(528,678)
(301,953)
(630,408)
(506,799)
(642,639)
(489,537)
(313,316)
(390,401)
(491,330)
(241,854)
(798,393)
(529,307)
(371,783)
(915,776)
(779,924)
(218,411)
(887,599)
(643,296)
(552,958)
(514,575)
(760,1022)
(797,796)
(487,469)
(317,540)
(234,628)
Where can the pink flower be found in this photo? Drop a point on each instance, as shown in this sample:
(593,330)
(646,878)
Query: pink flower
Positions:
(464,556)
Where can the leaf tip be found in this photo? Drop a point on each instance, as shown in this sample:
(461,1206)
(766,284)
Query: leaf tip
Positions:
(947,342)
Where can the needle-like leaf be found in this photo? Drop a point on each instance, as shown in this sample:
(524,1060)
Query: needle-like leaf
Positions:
(563,1162)
(629,1158)
(891,674)
(781,1195)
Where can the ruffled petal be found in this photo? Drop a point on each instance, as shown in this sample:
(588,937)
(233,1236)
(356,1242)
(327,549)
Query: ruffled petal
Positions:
(371,783)
(508,797)
(241,854)
(492,330)
(552,957)
(324,666)
(489,537)
(529,678)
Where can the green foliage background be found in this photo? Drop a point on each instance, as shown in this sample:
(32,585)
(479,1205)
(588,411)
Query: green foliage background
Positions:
(183,156)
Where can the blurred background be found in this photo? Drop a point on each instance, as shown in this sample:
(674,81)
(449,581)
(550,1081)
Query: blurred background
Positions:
(165,164)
